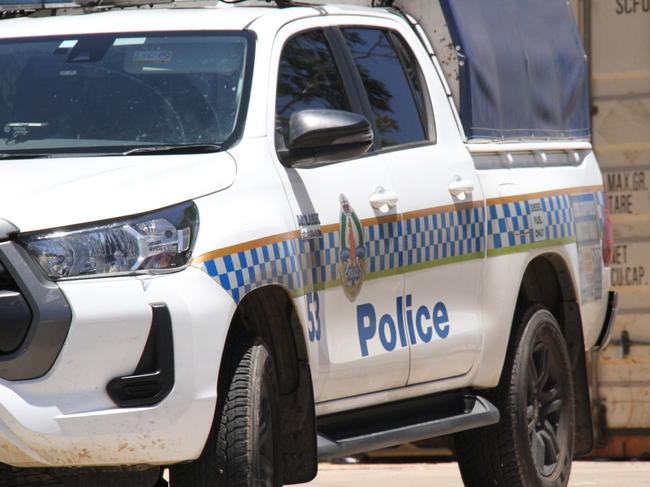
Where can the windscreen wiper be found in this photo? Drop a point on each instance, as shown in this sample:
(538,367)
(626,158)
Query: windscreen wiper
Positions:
(21,155)
(173,149)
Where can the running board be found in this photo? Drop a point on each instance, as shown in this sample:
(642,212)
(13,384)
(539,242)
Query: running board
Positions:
(480,413)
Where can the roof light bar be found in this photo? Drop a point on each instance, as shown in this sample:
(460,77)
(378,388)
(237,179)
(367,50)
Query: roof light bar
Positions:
(21,5)
(10,5)
(120,3)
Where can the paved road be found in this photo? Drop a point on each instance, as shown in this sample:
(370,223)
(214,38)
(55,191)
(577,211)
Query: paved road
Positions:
(600,474)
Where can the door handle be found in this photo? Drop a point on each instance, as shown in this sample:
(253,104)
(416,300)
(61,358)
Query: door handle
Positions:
(461,188)
(383,200)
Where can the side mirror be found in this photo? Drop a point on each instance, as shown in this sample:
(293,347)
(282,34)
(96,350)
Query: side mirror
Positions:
(321,136)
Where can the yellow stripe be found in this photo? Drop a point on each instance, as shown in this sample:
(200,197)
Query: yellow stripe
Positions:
(366,222)
(331,227)
(442,209)
(379,220)
(251,244)
(543,194)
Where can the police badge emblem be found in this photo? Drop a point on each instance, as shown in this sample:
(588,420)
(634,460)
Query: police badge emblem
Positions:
(352,254)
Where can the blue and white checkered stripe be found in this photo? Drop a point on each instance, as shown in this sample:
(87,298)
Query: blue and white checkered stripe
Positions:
(559,224)
(517,223)
(384,245)
(240,272)
(296,263)
(443,236)
(320,258)
(508,225)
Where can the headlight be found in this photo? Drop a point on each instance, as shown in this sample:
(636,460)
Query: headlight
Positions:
(153,242)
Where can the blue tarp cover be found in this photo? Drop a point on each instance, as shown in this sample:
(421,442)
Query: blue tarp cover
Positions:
(523,71)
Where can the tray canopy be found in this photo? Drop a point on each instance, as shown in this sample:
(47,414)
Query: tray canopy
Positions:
(523,71)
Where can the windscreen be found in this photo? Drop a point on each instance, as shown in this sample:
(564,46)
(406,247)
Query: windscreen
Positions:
(112,93)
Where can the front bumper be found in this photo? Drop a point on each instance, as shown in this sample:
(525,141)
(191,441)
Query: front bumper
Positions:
(67,418)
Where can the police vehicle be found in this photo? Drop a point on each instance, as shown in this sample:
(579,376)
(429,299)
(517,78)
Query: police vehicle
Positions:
(237,239)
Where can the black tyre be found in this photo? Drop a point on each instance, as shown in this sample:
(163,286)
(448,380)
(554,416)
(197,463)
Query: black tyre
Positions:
(532,445)
(243,448)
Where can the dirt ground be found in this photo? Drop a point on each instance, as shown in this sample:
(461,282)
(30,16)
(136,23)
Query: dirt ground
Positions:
(598,473)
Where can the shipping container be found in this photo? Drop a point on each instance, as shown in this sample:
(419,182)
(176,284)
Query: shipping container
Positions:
(617,40)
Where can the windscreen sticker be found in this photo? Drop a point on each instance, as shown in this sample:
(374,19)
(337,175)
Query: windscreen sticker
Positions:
(152,57)
(129,41)
(68,44)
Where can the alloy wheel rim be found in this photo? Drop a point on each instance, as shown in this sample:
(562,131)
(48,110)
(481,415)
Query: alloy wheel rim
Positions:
(545,409)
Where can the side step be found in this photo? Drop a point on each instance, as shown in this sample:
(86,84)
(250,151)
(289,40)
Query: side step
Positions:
(477,412)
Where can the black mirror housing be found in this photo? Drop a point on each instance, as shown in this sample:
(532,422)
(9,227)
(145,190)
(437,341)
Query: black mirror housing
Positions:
(323,135)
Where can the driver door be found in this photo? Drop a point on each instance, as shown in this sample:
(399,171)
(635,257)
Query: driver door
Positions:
(352,251)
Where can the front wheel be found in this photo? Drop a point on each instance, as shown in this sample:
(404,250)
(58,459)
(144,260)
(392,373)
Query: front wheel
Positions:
(532,445)
(243,447)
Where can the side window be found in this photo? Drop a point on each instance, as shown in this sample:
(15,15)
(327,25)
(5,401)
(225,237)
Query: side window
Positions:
(308,78)
(415,77)
(390,89)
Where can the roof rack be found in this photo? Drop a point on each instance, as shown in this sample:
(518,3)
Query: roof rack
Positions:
(31,5)
(13,5)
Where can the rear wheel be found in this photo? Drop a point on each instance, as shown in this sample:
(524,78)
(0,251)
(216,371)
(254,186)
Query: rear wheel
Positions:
(243,448)
(532,445)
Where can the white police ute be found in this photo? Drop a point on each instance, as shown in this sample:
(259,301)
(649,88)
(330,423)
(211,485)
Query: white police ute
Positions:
(237,239)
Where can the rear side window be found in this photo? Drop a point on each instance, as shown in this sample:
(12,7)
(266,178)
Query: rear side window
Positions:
(390,92)
(308,79)
(415,77)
